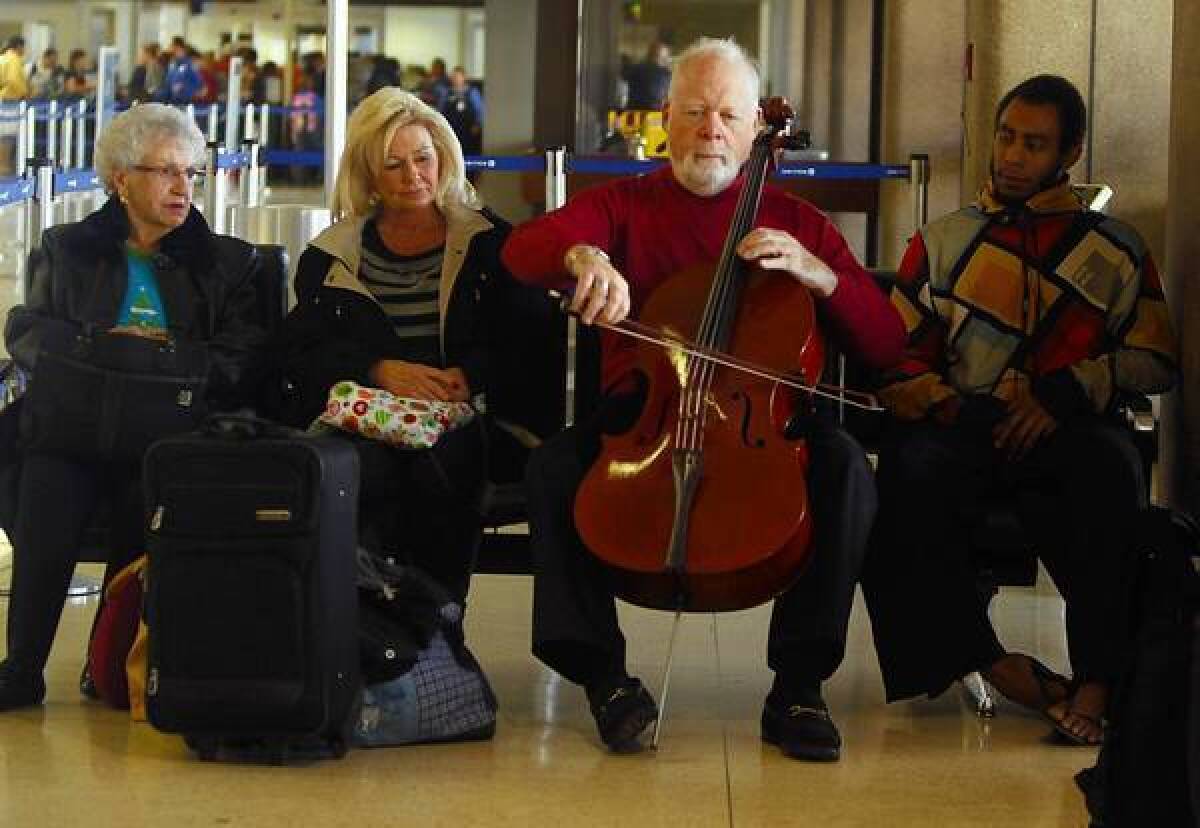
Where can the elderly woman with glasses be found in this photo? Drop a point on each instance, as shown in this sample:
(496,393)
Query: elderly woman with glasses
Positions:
(390,297)
(145,267)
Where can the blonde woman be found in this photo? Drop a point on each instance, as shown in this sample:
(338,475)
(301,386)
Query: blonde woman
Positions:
(390,297)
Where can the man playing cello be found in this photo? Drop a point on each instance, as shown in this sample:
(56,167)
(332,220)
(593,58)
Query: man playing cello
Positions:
(617,243)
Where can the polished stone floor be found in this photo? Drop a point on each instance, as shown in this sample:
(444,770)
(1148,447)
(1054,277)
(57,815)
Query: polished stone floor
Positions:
(931,763)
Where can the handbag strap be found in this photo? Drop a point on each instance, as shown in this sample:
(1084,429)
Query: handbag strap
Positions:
(245,425)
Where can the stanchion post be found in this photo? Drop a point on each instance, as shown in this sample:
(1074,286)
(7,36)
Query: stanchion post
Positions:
(68,139)
(23,151)
(248,189)
(556,178)
(30,128)
(42,217)
(337,44)
(81,135)
(233,103)
(264,114)
(52,133)
(918,180)
(214,189)
(190,111)
(106,88)
(556,196)
(214,117)
(250,131)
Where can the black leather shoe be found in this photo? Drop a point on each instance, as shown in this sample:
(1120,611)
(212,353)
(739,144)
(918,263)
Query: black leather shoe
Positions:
(801,731)
(622,710)
(19,688)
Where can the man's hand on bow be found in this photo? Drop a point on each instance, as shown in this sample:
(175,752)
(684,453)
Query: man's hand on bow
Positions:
(601,293)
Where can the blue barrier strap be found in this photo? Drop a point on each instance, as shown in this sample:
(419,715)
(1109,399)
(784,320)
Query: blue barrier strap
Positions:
(613,166)
(277,109)
(307,158)
(841,170)
(829,170)
(15,190)
(233,160)
(76,181)
(824,169)
(497,163)
(506,163)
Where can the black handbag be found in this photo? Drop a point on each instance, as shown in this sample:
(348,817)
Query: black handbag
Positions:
(96,395)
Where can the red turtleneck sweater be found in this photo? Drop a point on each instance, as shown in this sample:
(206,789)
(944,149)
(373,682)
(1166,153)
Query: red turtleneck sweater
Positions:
(651,227)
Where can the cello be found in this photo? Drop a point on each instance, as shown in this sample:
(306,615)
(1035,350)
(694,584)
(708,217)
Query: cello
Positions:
(702,504)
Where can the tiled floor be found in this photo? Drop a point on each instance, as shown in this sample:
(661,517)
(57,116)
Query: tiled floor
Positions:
(931,763)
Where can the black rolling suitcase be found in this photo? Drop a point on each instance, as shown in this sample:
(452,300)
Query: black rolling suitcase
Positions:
(251,598)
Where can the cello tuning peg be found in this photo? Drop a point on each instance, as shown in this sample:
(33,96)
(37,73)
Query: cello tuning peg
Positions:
(796,139)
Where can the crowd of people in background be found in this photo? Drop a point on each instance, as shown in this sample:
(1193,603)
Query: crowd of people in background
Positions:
(180,74)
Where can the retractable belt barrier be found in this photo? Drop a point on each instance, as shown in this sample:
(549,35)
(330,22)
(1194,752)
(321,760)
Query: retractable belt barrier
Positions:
(15,190)
(45,187)
(828,170)
(253,157)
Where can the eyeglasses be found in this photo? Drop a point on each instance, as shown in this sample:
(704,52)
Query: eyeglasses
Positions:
(169,173)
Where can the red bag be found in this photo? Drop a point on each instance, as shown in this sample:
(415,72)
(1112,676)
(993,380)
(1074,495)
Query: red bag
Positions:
(116,627)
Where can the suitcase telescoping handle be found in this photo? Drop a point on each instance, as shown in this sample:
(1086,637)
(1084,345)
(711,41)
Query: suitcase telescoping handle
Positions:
(245,425)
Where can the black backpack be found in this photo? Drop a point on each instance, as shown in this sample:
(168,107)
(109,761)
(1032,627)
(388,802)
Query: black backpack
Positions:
(1147,771)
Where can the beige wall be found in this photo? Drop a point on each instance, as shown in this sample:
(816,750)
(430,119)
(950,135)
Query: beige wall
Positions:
(925,41)
(1127,86)
(1009,47)
(1181,439)
(509,67)
(1131,111)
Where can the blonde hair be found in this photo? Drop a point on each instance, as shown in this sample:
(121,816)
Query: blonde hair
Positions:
(129,136)
(369,133)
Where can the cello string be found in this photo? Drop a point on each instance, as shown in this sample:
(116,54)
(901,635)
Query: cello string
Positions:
(721,307)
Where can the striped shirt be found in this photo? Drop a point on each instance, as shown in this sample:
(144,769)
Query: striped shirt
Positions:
(407,289)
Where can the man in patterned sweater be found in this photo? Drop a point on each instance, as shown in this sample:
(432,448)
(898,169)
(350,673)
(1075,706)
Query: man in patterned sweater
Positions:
(1028,317)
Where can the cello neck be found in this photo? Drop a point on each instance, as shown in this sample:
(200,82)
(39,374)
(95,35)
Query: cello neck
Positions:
(716,324)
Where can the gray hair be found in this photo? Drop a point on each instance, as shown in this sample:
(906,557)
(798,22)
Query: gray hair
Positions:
(369,133)
(727,50)
(129,136)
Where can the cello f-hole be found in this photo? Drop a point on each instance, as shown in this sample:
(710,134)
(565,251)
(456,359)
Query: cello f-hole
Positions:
(747,406)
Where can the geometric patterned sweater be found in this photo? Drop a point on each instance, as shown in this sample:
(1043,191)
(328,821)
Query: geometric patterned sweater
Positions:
(1047,296)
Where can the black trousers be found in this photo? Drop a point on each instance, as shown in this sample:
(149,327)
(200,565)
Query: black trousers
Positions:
(56,499)
(1078,493)
(575,629)
(423,507)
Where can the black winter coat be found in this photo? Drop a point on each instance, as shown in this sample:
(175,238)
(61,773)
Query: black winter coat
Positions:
(206,281)
(337,331)
(207,284)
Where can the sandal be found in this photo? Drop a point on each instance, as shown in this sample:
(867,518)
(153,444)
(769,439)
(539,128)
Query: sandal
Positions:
(1046,680)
